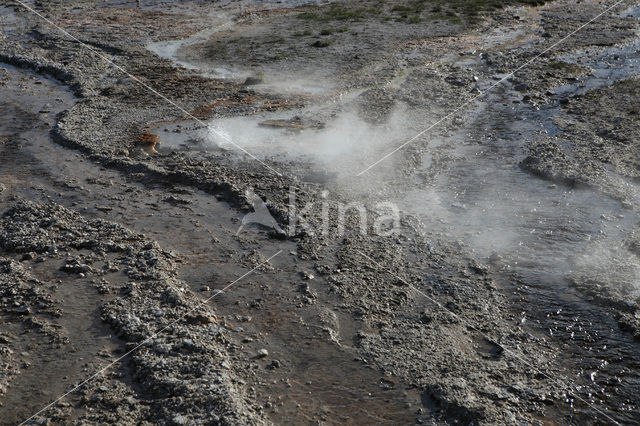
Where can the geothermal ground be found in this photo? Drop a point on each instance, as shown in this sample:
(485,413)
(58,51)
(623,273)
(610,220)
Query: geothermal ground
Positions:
(305,212)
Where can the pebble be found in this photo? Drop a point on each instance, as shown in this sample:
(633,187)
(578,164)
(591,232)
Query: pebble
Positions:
(24,310)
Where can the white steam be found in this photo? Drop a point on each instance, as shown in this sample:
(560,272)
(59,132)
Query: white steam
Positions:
(343,145)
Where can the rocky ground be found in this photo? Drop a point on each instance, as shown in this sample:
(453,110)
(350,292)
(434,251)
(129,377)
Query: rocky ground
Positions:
(508,293)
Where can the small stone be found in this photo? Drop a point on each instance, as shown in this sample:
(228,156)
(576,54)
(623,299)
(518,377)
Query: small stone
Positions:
(274,364)
(180,419)
(250,81)
(28,256)
(163,348)
(263,353)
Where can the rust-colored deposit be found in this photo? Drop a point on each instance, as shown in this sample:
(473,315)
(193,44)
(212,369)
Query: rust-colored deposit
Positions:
(149,141)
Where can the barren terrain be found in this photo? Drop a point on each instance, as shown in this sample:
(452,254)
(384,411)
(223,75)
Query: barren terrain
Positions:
(139,146)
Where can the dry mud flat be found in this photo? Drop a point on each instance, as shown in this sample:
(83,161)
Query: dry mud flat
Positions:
(508,296)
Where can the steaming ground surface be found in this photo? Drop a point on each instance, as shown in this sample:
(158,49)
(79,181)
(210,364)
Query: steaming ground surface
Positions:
(509,294)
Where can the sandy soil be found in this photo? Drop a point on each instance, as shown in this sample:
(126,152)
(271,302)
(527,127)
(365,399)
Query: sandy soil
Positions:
(508,293)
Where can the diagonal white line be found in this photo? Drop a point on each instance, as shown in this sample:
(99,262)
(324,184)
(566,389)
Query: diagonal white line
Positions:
(515,355)
(481,94)
(146,86)
(148,339)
